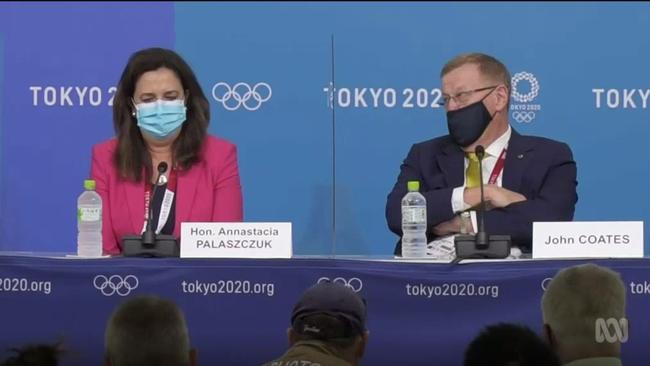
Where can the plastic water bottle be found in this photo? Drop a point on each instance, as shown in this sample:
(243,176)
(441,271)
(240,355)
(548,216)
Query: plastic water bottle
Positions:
(414,222)
(89,222)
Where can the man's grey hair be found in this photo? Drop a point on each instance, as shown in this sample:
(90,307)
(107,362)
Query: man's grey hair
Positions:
(147,330)
(578,296)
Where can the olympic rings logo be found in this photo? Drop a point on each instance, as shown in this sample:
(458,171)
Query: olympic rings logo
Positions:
(534,87)
(241,95)
(354,283)
(523,117)
(115,284)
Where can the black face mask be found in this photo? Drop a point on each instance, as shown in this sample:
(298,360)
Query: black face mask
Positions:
(467,124)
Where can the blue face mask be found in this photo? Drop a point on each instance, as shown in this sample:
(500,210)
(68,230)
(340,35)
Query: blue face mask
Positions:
(161,118)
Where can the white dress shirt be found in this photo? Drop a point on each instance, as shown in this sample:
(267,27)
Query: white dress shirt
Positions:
(490,159)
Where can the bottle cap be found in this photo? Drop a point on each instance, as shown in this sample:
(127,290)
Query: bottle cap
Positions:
(413,186)
(89,184)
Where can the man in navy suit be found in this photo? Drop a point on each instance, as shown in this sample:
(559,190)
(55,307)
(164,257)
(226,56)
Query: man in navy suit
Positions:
(526,178)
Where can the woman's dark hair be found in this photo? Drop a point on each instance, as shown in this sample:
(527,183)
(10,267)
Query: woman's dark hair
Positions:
(131,155)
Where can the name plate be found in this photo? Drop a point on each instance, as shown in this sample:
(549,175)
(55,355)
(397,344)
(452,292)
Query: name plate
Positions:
(236,240)
(585,239)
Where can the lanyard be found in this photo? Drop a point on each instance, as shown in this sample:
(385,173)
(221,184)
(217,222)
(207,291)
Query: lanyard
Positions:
(168,199)
(498,167)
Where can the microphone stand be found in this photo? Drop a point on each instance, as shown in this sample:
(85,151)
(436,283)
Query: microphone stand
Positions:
(482,245)
(149,244)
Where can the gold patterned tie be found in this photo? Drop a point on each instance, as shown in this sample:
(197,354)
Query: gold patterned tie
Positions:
(472,172)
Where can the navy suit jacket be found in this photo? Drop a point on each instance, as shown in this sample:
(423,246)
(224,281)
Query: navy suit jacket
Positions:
(541,169)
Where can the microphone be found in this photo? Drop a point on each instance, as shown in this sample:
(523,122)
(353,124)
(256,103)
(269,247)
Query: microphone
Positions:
(149,236)
(481,245)
(149,244)
(481,235)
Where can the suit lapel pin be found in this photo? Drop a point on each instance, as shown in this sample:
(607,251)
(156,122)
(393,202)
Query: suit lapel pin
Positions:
(520,156)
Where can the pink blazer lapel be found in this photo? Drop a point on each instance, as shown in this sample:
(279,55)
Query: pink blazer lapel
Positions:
(188,182)
(134,193)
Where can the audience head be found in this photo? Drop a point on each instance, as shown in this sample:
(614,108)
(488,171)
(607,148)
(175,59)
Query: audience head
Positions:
(509,345)
(334,314)
(147,331)
(576,299)
(35,355)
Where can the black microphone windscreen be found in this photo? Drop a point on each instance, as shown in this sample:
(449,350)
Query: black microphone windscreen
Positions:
(479,151)
(162,167)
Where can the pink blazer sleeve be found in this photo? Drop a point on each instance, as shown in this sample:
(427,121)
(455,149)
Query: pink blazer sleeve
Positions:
(100,173)
(227,206)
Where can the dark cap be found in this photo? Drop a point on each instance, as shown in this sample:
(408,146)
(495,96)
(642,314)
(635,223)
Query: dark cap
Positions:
(332,299)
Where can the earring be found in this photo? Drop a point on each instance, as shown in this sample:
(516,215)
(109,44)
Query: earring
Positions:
(133,113)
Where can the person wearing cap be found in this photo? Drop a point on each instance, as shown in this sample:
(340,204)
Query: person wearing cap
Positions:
(328,328)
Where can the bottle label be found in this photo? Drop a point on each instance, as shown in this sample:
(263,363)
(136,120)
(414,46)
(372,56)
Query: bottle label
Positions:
(89,213)
(414,215)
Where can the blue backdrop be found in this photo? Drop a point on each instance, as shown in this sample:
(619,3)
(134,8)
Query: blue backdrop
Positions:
(348,88)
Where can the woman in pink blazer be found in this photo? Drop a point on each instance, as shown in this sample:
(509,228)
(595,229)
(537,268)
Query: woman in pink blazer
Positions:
(161,115)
